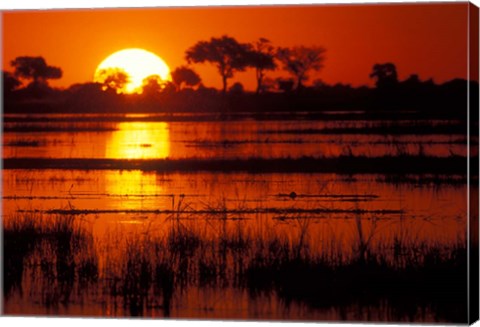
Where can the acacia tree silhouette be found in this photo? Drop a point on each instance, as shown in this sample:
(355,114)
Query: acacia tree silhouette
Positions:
(185,76)
(228,55)
(262,58)
(113,79)
(385,74)
(300,60)
(35,69)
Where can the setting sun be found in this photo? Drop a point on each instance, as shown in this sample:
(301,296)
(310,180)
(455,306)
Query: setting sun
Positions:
(138,64)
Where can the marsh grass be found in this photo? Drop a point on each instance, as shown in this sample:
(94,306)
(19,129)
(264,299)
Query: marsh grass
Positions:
(57,251)
(151,268)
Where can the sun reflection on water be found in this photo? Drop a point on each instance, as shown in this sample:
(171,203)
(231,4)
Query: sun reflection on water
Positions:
(139,140)
(133,190)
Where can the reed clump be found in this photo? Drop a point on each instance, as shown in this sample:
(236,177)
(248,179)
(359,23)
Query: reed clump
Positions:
(57,252)
(151,268)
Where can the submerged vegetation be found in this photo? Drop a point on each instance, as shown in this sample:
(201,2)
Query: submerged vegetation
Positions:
(151,269)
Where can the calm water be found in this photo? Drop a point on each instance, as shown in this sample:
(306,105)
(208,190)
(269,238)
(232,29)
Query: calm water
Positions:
(116,206)
(65,137)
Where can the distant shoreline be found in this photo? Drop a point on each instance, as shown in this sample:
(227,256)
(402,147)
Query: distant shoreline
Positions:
(422,101)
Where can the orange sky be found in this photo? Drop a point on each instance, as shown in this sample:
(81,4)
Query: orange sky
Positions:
(427,39)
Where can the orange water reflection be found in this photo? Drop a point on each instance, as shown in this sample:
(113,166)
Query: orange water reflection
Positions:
(136,140)
(136,202)
(120,208)
(132,188)
(139,140)
(206,139)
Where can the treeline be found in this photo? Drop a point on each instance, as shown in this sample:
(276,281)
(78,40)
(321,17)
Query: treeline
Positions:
(26,89)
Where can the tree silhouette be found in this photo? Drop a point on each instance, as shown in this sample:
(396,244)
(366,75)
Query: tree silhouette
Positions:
(225,53)
(35,69)
(413,79)
(385,75)
(269,84)
(285,85)
(88,89)
(113,79)
(168,88)
(185,76)
(237,88)
(262,58)
(10,83)
(152,85)
(318,84)
(298,61)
